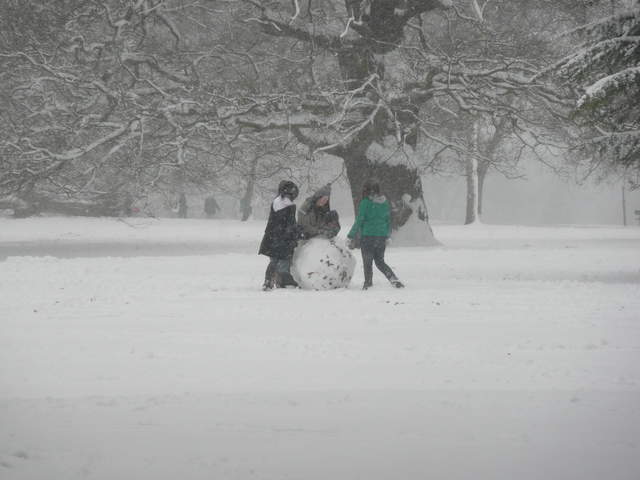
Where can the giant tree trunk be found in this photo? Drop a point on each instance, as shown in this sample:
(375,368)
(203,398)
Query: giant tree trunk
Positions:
(402,186)
(368,121)
(376,153)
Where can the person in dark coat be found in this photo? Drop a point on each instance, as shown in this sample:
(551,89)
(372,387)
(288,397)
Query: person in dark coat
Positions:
(316,217)
(373,225)
(211,206)
(182,206)
(281,237)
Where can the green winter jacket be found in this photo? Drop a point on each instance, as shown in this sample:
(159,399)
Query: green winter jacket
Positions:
(374,218)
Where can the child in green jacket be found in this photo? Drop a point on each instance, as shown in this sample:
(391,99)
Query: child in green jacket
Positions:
(373,223)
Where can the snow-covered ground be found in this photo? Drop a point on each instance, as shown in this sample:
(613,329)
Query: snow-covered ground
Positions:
(145,350)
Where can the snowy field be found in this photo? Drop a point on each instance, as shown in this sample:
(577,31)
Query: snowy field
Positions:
(145,350)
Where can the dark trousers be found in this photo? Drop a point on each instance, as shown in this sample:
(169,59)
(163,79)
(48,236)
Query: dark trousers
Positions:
(278,274)
(372,249)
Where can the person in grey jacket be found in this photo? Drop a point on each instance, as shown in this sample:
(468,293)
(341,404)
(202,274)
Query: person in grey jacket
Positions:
(316,217)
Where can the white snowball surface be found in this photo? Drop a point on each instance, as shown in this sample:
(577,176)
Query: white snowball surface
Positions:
(320,264)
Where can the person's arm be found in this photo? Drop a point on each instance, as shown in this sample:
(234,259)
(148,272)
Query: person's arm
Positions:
(357,225)
(305,219)
(332,226)
(388,219)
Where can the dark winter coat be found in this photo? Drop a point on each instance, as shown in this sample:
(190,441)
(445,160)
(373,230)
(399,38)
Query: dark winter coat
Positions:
(282,233)
(374,218)
(211,206)
(315,220)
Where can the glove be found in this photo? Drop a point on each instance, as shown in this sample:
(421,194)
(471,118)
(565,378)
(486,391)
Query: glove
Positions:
(388,241)
(351,244)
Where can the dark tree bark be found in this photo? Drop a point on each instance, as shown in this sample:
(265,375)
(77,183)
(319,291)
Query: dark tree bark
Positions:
(400,184)
(483,168)
(382,30)
(245,204)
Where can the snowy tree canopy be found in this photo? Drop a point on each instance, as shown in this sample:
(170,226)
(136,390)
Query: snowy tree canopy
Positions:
(605,74)
(112,97)
(105,100)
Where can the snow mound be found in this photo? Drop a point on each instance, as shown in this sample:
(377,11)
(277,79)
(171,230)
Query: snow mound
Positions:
(320,264)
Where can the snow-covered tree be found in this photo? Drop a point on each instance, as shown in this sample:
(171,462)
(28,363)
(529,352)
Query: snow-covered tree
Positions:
(107,97)
(604,74)
(349,108)
(485,108)
(103,100)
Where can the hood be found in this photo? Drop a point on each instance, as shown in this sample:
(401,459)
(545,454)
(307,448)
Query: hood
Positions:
(324,191)
(378,198)
(310,202)
(281,202)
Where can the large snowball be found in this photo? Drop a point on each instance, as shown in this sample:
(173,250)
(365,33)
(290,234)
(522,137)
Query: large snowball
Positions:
(319,264)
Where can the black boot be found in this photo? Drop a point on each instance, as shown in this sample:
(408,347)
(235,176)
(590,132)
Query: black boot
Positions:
(396,283)
(283,280)
(286,280)
(269,277)
(269,282)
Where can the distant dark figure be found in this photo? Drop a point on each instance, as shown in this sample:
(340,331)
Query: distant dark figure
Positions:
(373,225)
(182,206)
(126,208)
(211,207)
(281,237)
(316,217)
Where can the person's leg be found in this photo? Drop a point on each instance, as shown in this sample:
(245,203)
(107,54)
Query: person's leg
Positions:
(378,248)
(278,280)
(366,248)
(378,257)
(284,277)
(269,274)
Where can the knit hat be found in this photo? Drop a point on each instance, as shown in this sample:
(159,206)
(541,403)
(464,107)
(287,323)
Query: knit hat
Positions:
(324,191)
